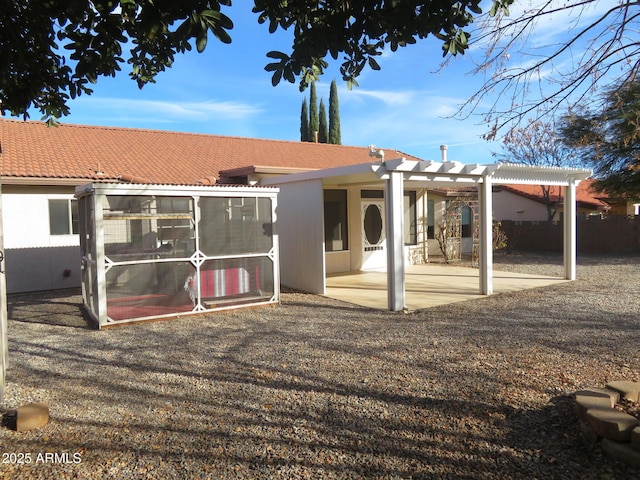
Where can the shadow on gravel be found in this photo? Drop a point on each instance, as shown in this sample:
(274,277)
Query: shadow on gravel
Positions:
(54,307)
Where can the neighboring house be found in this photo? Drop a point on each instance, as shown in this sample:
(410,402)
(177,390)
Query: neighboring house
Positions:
(340,208)
(526,202)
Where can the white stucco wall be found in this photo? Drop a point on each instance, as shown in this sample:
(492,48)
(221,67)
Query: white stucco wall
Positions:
(37,260)
(301,231)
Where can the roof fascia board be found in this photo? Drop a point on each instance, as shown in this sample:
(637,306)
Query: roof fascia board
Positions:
(262,170)
(172,190)
(322,174)
(45,181)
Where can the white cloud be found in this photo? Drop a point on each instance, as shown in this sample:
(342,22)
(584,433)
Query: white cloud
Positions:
(387,97)
(418,125)
(149,112)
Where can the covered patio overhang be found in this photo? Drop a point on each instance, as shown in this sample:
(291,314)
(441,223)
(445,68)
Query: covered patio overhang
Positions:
(301,210)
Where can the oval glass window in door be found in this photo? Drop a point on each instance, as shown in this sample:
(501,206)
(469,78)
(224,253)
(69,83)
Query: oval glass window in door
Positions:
(372,224)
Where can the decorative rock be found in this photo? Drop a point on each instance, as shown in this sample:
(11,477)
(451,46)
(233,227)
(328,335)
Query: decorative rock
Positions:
(594,398)
(622,451)
(629,390)
(587,435)
(34,415)
(635,438)
(612,424)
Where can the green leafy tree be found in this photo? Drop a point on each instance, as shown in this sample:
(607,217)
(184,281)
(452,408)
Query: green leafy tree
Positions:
(304,121)
(314,119)
(53,50)
(335,136)
(539,145)
(608,138)
(323,127)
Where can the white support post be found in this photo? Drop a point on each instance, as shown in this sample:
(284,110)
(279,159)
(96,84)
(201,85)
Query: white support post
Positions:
(394,202)
(485,260)
(4,349)
(570,235)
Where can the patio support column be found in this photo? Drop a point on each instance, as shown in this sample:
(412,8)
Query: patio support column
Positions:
(485,260)
(394,202)
(570,236)
(4,342)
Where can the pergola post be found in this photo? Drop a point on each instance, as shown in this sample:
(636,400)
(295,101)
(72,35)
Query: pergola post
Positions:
(395,240)
(485,260)
(4,349)
(570,235)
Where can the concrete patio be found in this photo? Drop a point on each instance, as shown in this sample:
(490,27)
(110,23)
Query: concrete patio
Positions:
(427,285)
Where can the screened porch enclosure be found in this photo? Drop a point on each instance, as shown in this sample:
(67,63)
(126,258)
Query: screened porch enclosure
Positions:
(158,251)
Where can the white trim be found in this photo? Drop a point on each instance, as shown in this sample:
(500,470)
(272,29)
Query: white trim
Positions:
(570,232)
(394,203)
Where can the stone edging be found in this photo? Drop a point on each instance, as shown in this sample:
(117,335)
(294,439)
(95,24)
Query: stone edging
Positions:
(601,421)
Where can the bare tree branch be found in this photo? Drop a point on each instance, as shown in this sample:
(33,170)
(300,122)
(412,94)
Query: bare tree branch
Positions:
(594,54)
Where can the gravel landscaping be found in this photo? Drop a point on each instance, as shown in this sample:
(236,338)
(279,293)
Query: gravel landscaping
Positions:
(315,388)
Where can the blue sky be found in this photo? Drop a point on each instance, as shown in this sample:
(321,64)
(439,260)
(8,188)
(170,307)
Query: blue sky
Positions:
(226,91)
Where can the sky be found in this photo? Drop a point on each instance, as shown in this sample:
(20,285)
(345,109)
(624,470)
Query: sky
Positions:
(407,106)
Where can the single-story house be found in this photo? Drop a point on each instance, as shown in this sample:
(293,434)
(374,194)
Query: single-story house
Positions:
(340,208)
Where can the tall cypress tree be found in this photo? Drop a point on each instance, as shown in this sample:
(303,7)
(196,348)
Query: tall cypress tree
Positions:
(304,122)
(323,129)
(314,121)
(334,115)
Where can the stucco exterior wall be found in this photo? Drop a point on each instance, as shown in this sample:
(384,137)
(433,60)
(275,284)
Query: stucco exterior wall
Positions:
(509,206)
(37,260)
(301,230)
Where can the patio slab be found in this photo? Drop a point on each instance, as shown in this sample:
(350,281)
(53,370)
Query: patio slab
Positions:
(427,285)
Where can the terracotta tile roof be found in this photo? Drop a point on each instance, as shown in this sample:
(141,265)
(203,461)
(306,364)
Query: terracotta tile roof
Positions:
(585,196)
(31,149)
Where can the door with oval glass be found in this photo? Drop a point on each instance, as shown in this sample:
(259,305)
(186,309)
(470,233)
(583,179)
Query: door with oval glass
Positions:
(374,241)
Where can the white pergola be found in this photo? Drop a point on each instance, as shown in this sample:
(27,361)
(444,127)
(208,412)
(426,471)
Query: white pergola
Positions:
(397,174)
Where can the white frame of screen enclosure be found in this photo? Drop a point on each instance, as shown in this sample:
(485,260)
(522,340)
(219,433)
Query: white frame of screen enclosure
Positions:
(164,251)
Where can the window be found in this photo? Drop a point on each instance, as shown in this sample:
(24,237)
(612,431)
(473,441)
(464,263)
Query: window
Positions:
(410,218)
(430,220)
(372,194)
(336,232)
(467,222)
(63,217)
(409,209)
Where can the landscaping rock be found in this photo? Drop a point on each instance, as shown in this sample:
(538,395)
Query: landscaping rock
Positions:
(612,424)
(628,390)
(588,436)
(623,452)
(34,415)
(635,438)
(594,398)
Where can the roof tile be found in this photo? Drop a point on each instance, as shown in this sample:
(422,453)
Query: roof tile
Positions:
(31,149)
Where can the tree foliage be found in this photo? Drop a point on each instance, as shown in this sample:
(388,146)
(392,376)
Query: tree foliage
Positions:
(538,144)
(608,138)
(314,118)
(53,50)
(304,121)
(600,46)
(361,30)
(323,125)
(335,135)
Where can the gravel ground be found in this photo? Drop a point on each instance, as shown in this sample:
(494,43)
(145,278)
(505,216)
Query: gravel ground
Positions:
(316,388)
